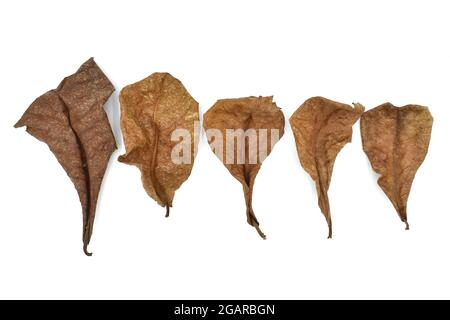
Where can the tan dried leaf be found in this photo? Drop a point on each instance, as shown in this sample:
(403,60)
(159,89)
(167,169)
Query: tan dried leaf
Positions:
(321,128)
(151,110)
(396,142)
(259,114)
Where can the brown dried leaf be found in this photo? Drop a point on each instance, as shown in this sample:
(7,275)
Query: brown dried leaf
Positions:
(245,113)
(396,142)
(151,110)
(72,122)
(321,128)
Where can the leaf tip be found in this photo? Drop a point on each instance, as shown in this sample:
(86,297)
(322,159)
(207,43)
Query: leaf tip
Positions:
(359,108)
(18,124)
(122,159)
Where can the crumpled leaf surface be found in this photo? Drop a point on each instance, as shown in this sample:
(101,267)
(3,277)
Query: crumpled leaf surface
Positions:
(246,113)
(396,142)
(321,128)
(72,122)
(151,110)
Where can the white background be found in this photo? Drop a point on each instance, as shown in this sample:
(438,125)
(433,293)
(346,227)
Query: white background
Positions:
(348,51)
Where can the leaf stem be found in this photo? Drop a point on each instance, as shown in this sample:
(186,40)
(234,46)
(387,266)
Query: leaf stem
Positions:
(167,211)
(258,229)
(85,249)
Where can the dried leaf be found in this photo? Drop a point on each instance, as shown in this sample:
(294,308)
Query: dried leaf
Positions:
(72,122)
(321,128)
(259,114)
(396,142)
(152,109)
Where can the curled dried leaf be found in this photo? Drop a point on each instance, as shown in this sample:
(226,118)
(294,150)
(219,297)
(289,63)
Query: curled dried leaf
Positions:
(72,122)
(396,142)
(242,133)
(155,114)
(321,128)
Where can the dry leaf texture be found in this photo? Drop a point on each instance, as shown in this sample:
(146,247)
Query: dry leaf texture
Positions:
(252,113)
(396,142)
(321,128)
(151,110)
(72,122)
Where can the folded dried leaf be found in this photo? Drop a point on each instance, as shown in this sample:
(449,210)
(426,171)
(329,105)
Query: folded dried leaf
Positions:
(241,119)
(321,128)
(396,142)
(72,122)
(152,110)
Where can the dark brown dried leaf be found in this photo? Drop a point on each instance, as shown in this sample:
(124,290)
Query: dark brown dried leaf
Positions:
(245,113)
(321,128)
(72,122)
(151,110)
(396,142)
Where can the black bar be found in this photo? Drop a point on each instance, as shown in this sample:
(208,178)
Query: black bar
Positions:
(222,309)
